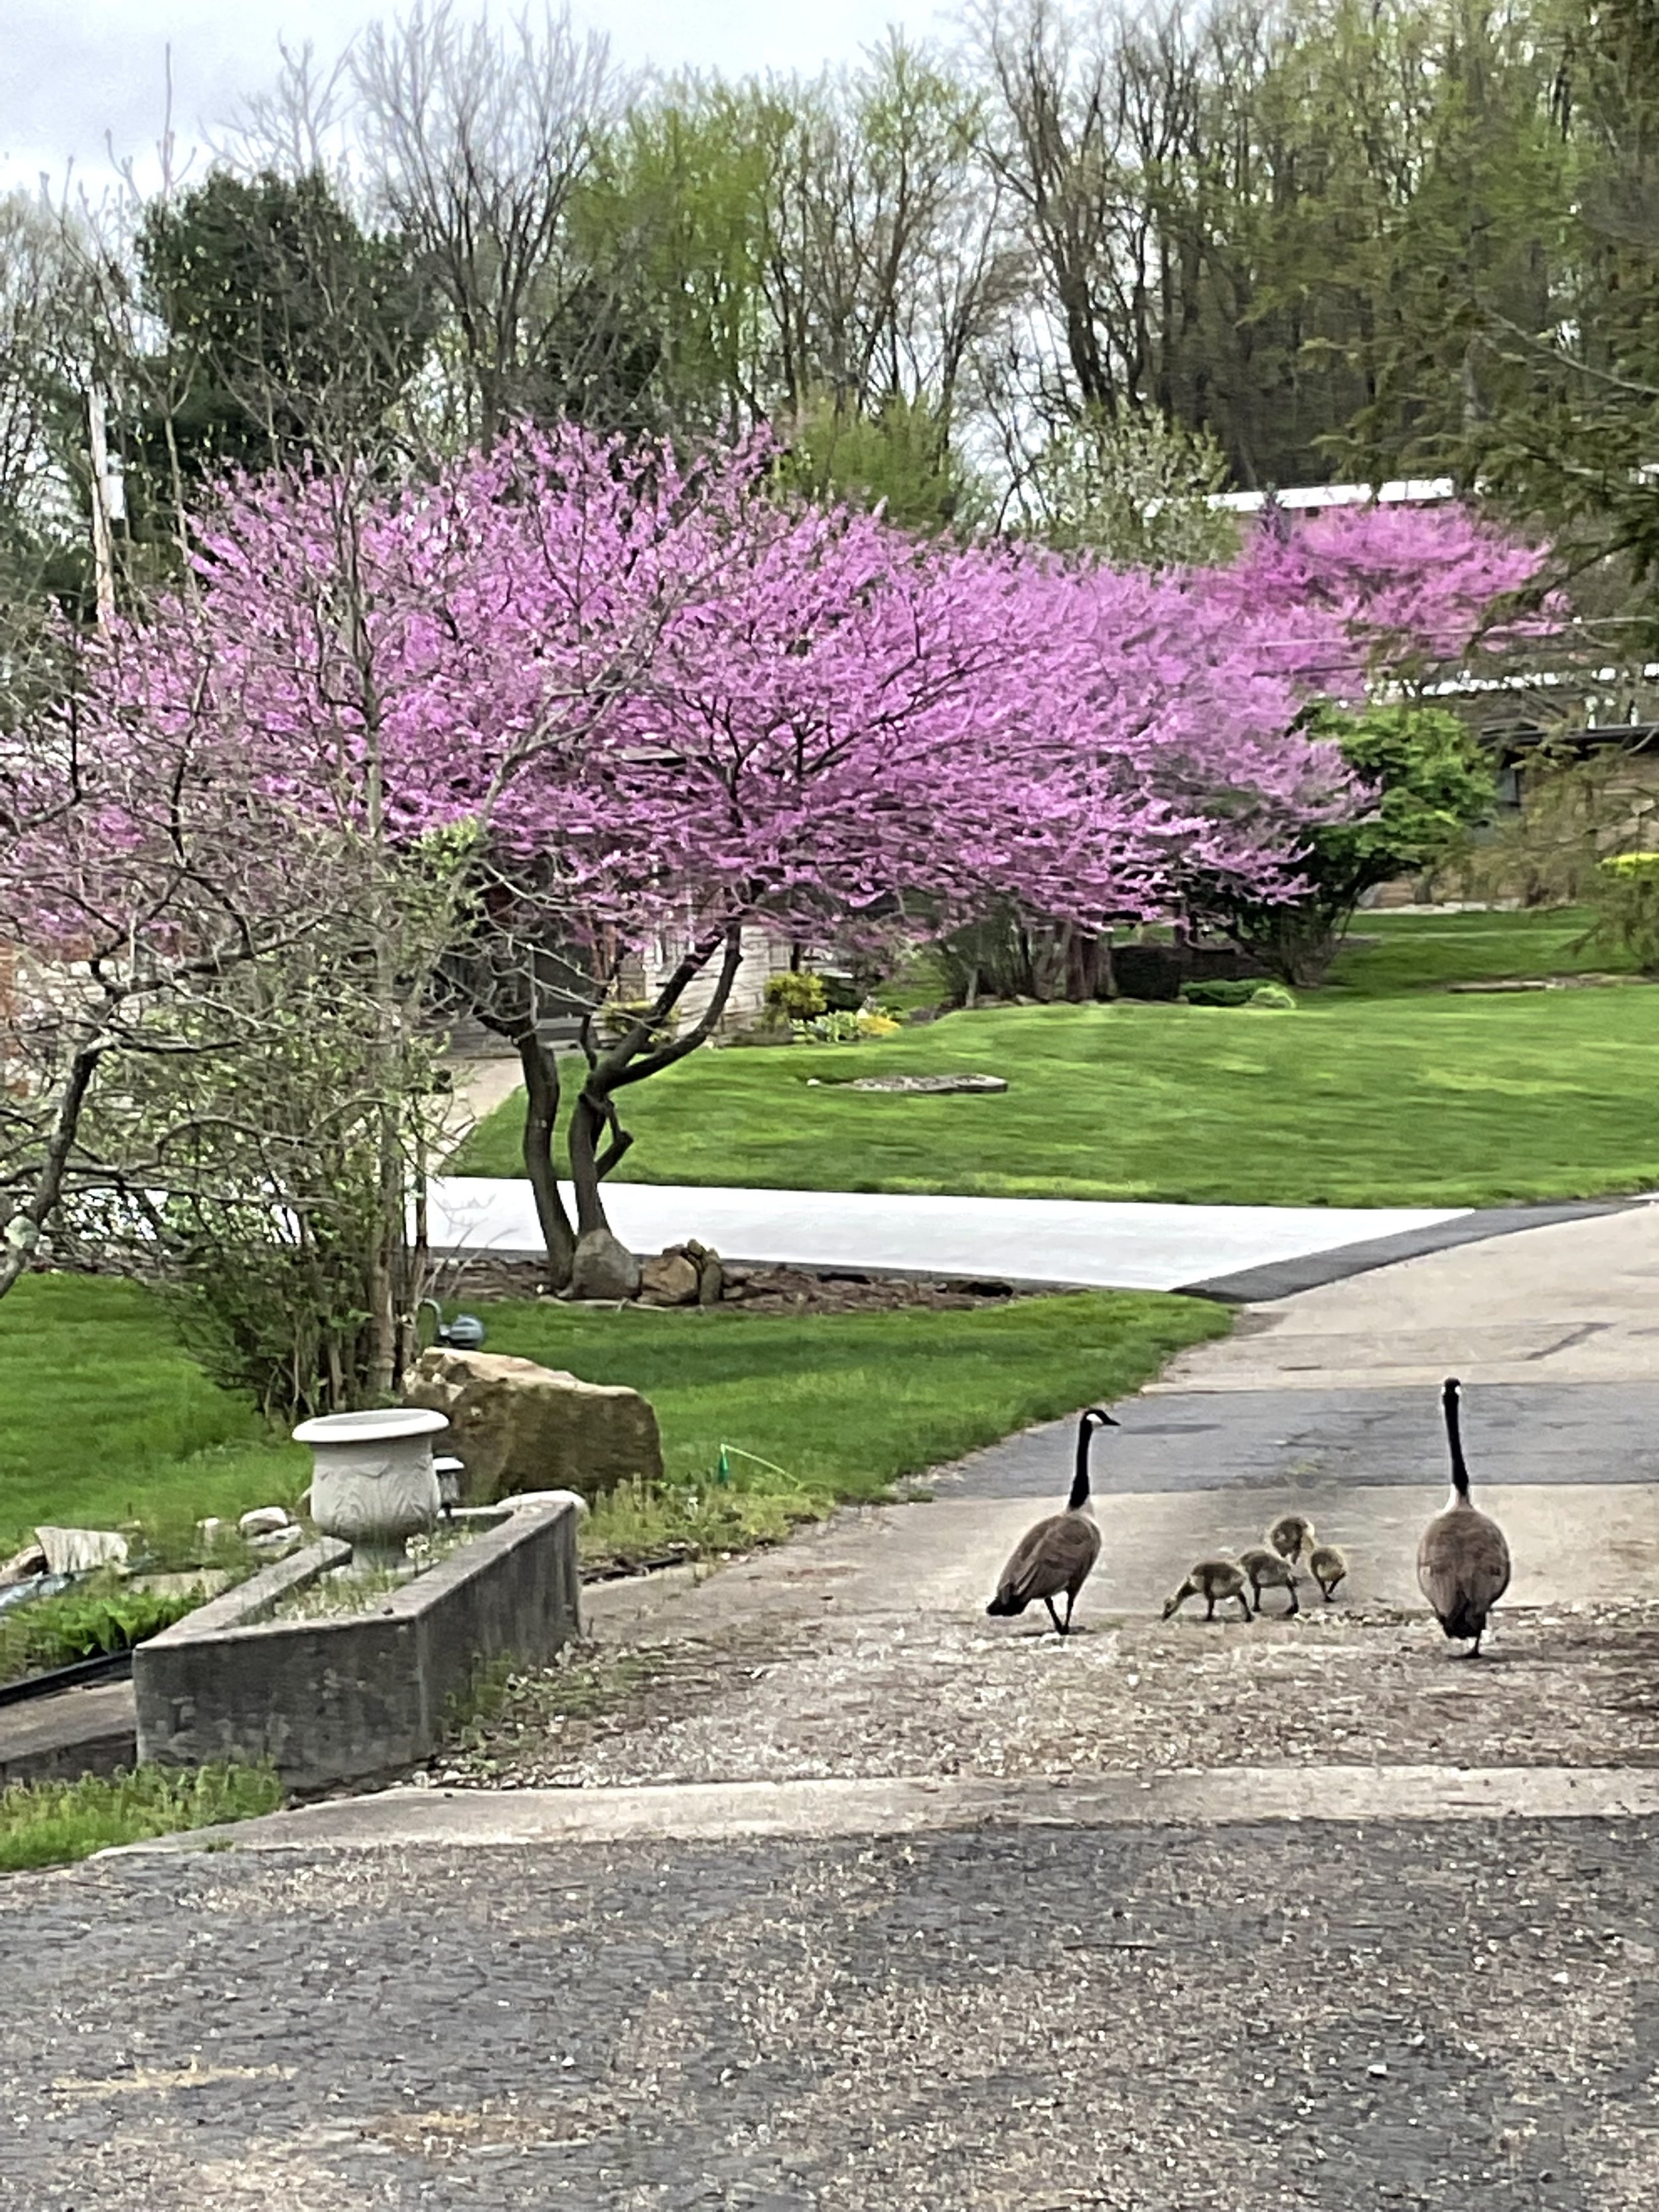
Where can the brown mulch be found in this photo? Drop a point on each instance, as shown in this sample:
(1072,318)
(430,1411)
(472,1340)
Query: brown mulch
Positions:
(756,1290)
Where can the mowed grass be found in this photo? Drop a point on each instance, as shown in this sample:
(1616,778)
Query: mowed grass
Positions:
(101,1419)
(838,1406)
(1384,1088)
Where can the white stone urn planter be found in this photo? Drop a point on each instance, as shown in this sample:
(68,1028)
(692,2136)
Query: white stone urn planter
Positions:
(373,1484)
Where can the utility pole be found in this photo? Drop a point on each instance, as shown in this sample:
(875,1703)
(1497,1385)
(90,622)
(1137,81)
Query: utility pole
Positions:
(108,505)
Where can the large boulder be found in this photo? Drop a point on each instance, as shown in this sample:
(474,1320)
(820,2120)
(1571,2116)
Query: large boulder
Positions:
(603,1267)
(518,1426)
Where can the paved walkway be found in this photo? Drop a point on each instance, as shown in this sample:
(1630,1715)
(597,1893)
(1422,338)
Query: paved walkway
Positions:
(1239,1251)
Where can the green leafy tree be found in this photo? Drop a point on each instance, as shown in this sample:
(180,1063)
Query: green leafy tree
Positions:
(1433,781)
(1134,489)
(899,459)
(289,332)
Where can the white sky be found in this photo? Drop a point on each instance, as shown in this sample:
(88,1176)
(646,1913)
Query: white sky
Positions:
(76,73)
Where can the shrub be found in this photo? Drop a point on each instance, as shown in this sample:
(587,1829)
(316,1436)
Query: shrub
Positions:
(102,1615)
(1624,892)
(1222,993)
(1276,997)
(797,996)
(847,1029)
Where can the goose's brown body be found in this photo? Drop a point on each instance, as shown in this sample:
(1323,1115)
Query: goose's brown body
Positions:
(1058,1556)
(1055,1558)
(1267,1571)
(1463,1559)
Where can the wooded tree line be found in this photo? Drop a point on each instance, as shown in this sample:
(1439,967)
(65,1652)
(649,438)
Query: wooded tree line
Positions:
(1066,270)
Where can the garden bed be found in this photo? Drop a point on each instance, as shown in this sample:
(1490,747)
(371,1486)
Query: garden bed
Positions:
(346,1696)
(764,1290)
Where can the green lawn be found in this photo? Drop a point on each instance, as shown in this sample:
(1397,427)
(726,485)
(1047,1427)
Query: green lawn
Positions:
(1378,1091)
(101,1419)
(1426,951)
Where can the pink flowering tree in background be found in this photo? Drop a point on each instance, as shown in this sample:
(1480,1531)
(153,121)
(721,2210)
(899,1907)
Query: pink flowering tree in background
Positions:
(576,699)
(146,872)
(1370,606)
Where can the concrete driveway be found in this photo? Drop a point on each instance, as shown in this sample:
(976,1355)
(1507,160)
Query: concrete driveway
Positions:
(812,1891)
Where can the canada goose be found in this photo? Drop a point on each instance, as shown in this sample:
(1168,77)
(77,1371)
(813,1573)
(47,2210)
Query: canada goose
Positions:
(1291,1535)
(1213,1580)
(1266,1570)
(1327,1567)
(1059,1553)
(1462,1562)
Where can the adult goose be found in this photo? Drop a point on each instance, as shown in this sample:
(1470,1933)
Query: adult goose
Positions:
(1059,1553)
(1463,1561)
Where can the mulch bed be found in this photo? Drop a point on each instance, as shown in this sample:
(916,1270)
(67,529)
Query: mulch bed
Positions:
(758,1290)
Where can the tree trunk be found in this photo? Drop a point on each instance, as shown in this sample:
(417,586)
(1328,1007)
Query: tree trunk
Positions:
(541,1083)
(633,1059)
(23,1228)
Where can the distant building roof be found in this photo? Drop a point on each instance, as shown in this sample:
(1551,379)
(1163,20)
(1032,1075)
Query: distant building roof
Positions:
(1405,491)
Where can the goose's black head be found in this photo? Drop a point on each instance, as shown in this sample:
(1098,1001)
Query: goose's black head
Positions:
(1450,1391)
(1100,1418)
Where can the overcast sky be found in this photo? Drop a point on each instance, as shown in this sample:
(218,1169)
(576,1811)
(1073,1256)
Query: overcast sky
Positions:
(76,73)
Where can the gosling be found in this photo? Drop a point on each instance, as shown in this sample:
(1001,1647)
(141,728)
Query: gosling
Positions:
(1291,1535)
(1266,1570)
(1215,1581)
(1327,1567)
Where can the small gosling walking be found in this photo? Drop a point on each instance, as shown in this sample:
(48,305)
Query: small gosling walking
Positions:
(1266,1570)
(1215,1581)
(1327,1567)
(1291,1535)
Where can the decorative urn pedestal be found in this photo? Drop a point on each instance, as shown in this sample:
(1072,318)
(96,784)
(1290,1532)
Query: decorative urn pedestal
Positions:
(373,1484)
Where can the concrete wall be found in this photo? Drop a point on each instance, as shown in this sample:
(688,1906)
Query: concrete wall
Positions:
(362,1694)
(765,954)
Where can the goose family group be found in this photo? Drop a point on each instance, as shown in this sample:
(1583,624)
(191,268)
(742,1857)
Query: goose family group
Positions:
(1462,1560)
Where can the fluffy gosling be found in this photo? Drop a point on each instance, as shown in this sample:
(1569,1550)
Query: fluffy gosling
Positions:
(1291,1535)
(1327,1567)
(1215,1581)
(1266,1570)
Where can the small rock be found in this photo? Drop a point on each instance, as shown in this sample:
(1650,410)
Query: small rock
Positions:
(263,1521)
(75,1550)
(933,1086)
(24,1565)
(276,1543)
(671,1279)
(209,1531)
(1377,2071)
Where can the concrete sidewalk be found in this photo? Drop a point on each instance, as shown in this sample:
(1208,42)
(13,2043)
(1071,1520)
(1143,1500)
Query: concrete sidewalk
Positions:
(1080,1241)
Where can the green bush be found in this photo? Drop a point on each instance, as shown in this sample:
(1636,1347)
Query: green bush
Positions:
(797,996)
(1275,997)
(1238,994)
(1625,896)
